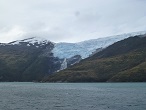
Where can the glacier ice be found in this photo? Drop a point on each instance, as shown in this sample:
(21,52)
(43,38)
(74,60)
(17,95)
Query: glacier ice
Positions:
(86,48)
(64,64)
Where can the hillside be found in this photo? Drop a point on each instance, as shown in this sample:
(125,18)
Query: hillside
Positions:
(30,60)
(18,61)
(123,61)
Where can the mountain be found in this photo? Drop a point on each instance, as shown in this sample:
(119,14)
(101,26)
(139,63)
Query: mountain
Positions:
(123,61)
(33,58)
(30,59)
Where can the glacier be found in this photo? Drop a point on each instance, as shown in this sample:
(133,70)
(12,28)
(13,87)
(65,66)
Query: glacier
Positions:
(63,65)
(86,48)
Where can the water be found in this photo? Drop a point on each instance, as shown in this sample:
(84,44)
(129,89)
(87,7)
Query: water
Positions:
(72,96)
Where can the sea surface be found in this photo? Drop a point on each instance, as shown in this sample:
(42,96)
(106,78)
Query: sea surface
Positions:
(72,96)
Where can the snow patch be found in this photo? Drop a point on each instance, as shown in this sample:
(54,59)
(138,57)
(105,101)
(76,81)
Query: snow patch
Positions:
(33,40)
(2,44)
(28,45)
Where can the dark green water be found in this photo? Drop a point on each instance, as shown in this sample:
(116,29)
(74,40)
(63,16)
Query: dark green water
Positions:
(72,96)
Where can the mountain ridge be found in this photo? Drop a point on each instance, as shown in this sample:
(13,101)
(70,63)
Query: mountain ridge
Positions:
(31,59)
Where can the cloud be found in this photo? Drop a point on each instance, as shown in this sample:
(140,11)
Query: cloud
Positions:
(70,20)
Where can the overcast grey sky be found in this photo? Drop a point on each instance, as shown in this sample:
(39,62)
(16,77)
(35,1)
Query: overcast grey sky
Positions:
(70,20)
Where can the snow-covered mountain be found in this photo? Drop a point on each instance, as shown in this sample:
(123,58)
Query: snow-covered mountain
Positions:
(44,49)
(86,48)
(68,50)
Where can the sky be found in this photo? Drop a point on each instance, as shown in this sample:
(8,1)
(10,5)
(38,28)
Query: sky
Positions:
(70,20)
